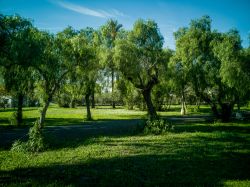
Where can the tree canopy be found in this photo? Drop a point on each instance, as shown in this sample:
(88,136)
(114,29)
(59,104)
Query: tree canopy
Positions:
(207,65)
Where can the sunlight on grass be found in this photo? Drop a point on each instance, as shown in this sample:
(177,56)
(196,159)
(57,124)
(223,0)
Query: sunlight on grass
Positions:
(78,114)
(195,158)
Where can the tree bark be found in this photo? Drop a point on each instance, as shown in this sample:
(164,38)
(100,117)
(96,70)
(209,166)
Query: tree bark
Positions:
(19,117)
(112,84)
(215,110)
(43,112)
(151,110)
(238,104)
(226,112)
(88,106)
(170,102)
(183,104)
(198,103)
(72,102)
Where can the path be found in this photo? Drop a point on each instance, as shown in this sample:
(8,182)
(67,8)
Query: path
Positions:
(88,129)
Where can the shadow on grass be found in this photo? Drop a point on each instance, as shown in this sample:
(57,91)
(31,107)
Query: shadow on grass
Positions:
(139,170)
(187,161)
(73,136)
(70,132)
(210,127)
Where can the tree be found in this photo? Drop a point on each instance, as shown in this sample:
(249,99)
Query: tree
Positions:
(109,34)
(139,57)
(179,75)
(53,66)
(84,54)
(18,48)
(233,71)
(160,91)
(198,51)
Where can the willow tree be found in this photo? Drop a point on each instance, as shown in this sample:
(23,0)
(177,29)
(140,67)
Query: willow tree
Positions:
(234,69)
(139,58)
(85,72)
(52,67)
(209,57)
(19,48)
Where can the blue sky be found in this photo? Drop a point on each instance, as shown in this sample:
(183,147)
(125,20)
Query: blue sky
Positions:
(55,15)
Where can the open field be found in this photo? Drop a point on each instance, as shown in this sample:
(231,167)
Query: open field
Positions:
(72,116)
(109,152)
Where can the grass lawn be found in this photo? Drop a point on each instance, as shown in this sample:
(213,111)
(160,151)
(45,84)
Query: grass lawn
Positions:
(71,116)
(193,154)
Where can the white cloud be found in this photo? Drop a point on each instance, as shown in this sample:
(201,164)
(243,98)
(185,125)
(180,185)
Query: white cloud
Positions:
(90,12)
(119,13)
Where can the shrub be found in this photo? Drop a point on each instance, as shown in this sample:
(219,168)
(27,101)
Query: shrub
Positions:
(35,142)
(158,126)
(19,146)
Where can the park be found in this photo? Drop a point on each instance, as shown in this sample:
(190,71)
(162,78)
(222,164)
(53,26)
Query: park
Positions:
(114,106)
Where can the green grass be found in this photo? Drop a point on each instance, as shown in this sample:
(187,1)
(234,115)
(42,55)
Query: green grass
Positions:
(193,154)
(71,116)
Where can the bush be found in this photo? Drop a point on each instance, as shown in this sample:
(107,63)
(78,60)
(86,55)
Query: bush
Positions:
(158,126)
(35,142)
(19,146)
(63,100)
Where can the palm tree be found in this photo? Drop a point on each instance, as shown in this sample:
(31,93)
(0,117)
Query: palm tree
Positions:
(109,33)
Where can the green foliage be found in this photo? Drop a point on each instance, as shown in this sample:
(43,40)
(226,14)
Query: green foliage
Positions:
(13,118)
(140,57)
(35,142)
(158,126)
(63,100)
(211,62)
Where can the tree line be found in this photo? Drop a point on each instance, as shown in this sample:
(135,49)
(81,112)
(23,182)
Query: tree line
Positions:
(207,66)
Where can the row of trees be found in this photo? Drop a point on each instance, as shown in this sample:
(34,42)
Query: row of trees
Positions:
(210,65)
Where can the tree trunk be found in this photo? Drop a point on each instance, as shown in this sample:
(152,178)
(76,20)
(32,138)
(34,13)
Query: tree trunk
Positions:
(198,103)
(72,102)
(215,110)
(93,98)
(169,103)
(19,117)
(151,110)
(183,104)
(88,106)
(112,84)
(226,112)
(43,112)
(238,104)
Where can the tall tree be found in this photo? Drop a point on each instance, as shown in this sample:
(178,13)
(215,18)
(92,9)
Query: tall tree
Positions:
(19,48)
(234,70)
(139,58)
(197,49)
(109,33)
(84,54)
(53,66)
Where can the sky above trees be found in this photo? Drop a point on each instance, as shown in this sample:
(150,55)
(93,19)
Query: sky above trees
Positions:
(55,15)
